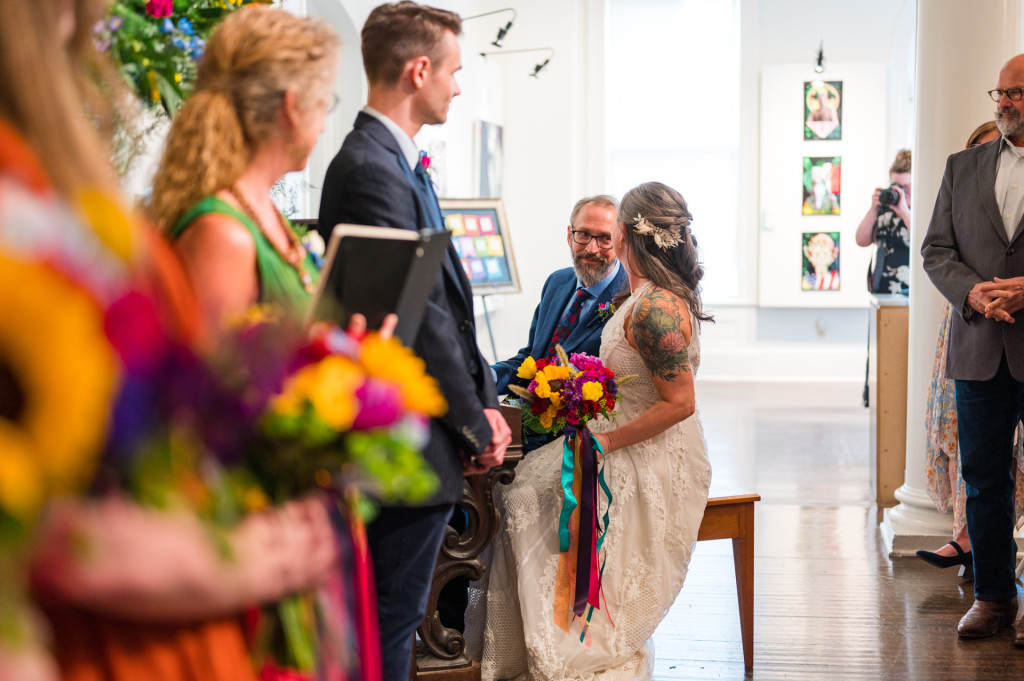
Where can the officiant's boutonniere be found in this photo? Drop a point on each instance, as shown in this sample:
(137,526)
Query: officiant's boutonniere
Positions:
(605,311)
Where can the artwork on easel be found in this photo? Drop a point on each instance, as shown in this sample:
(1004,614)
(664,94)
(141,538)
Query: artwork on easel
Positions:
(822,185)
(820,258)
(823,110)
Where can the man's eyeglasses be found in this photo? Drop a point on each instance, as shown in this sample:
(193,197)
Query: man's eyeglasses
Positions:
(584,238)
(332,102)
(1014,93)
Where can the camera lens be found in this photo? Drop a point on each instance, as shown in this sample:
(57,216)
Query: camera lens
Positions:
(888,196)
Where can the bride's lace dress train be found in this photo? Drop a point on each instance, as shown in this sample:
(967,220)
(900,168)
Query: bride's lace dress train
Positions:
(659,490)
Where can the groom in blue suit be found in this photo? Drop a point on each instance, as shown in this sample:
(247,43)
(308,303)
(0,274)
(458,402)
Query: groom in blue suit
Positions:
(411,54)
(575,301)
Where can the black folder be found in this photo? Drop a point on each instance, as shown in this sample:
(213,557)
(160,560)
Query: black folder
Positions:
(375,271)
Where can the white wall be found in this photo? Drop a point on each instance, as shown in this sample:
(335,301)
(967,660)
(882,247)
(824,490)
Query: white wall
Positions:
(553,132)
(553,151)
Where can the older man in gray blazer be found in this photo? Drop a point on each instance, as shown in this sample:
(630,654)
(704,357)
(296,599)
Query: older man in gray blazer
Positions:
(974,254)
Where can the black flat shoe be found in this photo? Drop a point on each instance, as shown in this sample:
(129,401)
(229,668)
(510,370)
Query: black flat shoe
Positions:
(941,561)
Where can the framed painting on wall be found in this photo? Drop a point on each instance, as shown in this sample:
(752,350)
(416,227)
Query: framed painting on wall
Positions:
(822,185)
(823,110)
(820,258)
(488,159)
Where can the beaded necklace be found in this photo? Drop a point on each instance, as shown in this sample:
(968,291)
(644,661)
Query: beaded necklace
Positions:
(295,256)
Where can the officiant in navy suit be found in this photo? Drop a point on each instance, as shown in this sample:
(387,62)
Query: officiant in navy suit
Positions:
(575,301)
(410,54)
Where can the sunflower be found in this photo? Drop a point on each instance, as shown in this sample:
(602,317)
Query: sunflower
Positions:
(390,361)
(57,376)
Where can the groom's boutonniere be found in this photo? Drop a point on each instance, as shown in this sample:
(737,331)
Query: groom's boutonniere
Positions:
(425,162)
(605,311)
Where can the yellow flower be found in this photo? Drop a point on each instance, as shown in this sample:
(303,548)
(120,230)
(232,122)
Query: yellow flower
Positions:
(528,369)
(329,386)
(390,361)
(554,372)
(592,391)
(546,420)
(108,220)
(57,373)
(556,400)
(543,390)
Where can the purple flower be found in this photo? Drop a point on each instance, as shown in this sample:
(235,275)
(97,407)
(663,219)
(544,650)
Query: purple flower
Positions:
(115,22)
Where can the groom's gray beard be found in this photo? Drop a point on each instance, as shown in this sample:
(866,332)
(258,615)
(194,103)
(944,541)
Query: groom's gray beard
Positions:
(1012,126)
(591,274)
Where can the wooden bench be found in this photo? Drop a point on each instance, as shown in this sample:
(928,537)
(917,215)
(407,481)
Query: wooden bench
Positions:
(730,515)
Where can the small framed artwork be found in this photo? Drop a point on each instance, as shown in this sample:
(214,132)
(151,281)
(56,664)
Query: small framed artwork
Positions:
(822,185)
(823,110)
(487,169)
(481,239)
(820,258)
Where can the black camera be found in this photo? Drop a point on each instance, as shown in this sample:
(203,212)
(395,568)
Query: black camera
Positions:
(889,196)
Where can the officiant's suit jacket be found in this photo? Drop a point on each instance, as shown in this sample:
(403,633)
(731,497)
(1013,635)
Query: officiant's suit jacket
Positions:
(554,298)
(369,183)
(966,244)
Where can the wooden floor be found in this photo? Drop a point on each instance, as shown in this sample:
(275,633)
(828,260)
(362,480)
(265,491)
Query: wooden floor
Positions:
(829,602)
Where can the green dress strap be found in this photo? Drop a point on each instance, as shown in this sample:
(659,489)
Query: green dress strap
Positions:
(278,281)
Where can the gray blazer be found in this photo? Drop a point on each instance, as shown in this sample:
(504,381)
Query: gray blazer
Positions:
(966,244)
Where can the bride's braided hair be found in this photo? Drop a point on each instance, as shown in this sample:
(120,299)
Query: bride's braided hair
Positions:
(658,207)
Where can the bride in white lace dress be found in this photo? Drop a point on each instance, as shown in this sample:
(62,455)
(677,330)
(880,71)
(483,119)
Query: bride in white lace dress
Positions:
(656,465)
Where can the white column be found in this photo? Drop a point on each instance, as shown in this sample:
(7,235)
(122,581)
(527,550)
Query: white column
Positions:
(960,48)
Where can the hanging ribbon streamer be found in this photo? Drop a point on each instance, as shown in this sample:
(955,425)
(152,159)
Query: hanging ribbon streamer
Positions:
(581,533)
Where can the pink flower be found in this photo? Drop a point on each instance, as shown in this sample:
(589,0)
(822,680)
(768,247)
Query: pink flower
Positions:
(159,8)
(380,405)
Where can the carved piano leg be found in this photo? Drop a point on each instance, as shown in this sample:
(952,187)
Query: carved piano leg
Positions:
(442,656)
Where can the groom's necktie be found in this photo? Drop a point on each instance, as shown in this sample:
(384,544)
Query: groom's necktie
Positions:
(421,176)
(568,321)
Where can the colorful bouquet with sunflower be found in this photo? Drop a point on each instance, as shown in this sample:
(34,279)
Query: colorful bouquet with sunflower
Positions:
(565,392)
(343,414)
(563,396)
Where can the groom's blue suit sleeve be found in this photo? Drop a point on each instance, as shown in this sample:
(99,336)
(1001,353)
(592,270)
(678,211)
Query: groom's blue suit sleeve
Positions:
(506,370)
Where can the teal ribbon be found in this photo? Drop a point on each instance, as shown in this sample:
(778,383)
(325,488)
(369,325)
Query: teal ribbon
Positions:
(569,500)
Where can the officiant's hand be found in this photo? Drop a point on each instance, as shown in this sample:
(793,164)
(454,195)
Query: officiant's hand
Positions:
(494,454)
(357,326)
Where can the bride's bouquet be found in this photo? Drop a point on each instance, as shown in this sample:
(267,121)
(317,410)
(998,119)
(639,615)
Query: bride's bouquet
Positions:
(563,395)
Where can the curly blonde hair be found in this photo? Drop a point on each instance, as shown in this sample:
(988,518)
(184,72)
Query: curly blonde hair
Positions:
(64,100)
(252,58)
(902,162)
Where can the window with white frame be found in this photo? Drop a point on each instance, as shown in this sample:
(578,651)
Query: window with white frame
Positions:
(673,111)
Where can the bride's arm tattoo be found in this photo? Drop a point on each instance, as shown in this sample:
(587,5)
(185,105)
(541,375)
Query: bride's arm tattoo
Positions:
(656,330)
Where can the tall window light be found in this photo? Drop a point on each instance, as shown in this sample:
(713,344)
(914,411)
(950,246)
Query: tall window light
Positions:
(673,111)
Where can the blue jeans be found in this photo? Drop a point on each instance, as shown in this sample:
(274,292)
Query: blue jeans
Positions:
(404,544)
(987,414)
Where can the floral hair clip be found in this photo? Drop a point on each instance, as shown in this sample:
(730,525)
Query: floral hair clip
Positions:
(665,237)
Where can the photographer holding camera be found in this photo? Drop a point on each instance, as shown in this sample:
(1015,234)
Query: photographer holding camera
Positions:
(887,225)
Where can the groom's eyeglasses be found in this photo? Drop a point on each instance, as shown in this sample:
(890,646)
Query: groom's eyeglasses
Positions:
(584,238)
